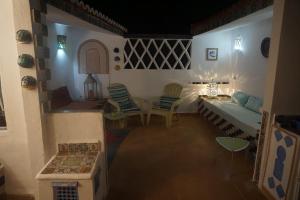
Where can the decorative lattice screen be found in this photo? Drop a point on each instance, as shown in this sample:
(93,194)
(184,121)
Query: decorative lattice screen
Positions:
(157,54)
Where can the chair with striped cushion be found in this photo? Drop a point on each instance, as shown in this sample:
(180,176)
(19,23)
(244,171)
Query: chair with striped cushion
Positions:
(167,104)
(123,102)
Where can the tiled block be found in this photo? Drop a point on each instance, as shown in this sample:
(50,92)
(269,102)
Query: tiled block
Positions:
(78,147)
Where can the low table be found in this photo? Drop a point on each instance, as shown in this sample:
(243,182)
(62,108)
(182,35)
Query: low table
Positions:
(232,144)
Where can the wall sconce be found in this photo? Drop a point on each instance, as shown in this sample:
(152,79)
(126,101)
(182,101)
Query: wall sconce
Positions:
(238,43)
(61,41)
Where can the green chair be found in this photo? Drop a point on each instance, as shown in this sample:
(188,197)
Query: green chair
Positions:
(167,104)
(122,101)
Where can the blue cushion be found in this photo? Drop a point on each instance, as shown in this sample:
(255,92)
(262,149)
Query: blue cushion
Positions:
(166,102)
(254,104)
(240,98)
(120,95)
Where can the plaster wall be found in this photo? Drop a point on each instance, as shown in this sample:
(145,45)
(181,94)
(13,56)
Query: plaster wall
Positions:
(245,69)
(14,148)
(75,127)
(61,60)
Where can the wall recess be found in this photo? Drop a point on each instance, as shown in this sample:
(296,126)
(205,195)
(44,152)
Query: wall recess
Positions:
(117,58)
(25,60)
(116,50)
(28,82)
(23,36)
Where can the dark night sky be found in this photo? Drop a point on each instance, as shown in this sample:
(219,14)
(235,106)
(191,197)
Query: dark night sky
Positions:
(159,17)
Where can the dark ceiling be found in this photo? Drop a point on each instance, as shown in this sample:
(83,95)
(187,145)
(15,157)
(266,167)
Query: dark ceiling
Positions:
(159,16)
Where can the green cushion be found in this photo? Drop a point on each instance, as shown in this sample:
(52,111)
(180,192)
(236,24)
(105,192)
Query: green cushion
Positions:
(240,98)
(166,102)
(232,144)
(120,95)
(254,104)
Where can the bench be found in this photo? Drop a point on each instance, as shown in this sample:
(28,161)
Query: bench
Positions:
(233,118)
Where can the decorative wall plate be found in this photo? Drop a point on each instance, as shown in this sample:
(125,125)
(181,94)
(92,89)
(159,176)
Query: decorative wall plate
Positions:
(23,36)
(265,46)
(117,58)
(25,60)
(117,67)
(28,82)
(116,50)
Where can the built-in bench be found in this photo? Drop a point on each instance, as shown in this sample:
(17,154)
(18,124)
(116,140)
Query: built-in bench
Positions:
(234,118)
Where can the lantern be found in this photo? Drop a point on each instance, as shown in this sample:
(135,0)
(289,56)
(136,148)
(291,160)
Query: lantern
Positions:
(90,88)
(212,89)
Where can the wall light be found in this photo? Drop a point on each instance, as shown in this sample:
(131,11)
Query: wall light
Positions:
(61,41)
(238,43)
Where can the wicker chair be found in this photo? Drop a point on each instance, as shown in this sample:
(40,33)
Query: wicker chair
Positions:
(122,101)
(167,104)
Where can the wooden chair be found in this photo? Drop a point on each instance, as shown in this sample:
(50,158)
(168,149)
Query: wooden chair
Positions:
(122,101)
(167,104)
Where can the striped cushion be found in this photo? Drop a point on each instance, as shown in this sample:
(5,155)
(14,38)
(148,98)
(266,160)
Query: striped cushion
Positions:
(166,102)
(120,95)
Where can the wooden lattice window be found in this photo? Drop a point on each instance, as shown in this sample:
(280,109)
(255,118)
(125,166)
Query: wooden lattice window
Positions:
(157,54)
(93,58)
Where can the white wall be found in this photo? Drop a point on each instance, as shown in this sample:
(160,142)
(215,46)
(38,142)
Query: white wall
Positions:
(14,151)
(245,69)
(61,60)
(247,66)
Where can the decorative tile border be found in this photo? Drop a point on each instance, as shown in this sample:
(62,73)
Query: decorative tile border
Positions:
(40,32)
(85,12)
(78,148)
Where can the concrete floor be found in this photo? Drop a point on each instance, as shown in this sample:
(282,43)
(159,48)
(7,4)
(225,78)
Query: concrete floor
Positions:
(180,163)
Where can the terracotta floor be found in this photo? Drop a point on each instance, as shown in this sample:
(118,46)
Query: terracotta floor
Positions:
(180,163)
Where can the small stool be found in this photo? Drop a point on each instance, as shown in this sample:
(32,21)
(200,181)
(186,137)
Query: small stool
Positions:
(232,144)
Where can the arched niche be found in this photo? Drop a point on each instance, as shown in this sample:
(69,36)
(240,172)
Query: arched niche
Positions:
(93,58)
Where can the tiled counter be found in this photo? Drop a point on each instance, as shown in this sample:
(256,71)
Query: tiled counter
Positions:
(75,171)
